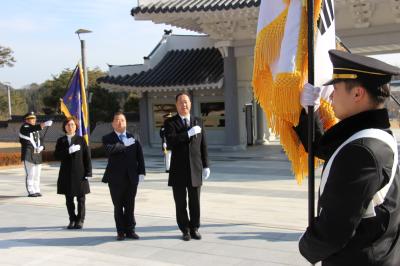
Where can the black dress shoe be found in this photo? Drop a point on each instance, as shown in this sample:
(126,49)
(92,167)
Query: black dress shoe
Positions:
(132,235)
(71,225)
(38,194)
(32,195)
(120,236)
(195,234)
(78,225)
(186,236)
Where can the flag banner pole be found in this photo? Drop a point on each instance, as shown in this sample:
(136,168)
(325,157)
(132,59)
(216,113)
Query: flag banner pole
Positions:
(311,174)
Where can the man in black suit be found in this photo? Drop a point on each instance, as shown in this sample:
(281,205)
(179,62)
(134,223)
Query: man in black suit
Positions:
(125,168)
(189,165)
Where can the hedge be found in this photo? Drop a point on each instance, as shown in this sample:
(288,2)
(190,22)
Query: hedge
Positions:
(14,158)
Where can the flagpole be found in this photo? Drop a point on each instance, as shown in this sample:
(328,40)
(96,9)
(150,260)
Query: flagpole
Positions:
(311,174)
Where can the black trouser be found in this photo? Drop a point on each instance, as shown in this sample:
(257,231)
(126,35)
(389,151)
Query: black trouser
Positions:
(193,193)
(69,200)
(123,198)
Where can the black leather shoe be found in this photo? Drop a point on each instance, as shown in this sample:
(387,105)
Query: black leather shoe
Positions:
(38,194)
(120,236)
(32,195)
(78,225)
(186,236)
(71,225)
(132,235)
(195,234)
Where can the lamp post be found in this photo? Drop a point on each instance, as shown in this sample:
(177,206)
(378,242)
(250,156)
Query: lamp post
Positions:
(9,98)
(83,55)
(85,75)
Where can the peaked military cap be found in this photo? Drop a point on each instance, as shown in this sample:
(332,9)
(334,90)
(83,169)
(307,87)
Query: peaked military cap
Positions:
(29,115)
(368,70)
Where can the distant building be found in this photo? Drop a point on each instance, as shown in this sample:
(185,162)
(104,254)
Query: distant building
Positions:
(192,64)
(216,69)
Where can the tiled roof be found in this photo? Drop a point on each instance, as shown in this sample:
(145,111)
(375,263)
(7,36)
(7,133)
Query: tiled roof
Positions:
(176,6)
(177,68)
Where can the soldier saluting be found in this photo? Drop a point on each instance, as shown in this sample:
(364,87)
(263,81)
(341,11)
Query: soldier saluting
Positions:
(166,150)
(31,152)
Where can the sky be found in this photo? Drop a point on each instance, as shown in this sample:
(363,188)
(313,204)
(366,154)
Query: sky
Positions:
(42,35)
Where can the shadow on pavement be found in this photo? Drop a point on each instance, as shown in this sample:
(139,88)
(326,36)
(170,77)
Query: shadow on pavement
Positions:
(72,241)
(268,236)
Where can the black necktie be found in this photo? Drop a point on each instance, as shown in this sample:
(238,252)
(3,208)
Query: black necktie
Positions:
(185,122)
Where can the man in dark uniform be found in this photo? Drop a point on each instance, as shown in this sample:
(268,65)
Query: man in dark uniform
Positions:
(125,168)
(164,146)
(31,152)
(189,164)
(358,217)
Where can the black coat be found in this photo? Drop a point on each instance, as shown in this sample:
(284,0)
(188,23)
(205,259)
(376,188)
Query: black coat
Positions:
(123,162)
(74,167)
(189,155)
(27,149)
(339,235)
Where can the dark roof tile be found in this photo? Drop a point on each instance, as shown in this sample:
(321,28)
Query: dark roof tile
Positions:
(177,68)
(180,6)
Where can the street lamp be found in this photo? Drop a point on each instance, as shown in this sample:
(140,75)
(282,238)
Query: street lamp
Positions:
(85,75)
(83,54)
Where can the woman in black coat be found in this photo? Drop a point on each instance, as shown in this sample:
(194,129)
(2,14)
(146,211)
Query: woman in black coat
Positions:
(75,169)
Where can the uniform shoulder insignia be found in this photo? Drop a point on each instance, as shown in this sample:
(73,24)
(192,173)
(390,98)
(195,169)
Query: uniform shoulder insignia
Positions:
(26,126)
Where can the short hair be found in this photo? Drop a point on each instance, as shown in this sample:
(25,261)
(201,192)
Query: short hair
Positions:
(180,94)
(378,94)
(118,113)
(66,121)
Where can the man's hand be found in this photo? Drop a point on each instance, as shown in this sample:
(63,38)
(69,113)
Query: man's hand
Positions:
(129,142)
(310,96)
(164,145)
(194,131)
(74,148)
(141,178)
(206,173)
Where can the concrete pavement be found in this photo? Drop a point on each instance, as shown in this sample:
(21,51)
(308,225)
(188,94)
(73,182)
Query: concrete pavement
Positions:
(253,213)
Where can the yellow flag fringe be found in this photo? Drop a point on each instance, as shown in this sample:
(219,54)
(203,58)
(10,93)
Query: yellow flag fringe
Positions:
(279,97)
(267,49)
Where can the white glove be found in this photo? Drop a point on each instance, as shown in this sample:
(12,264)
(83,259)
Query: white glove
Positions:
(74,148)
(129,142)
(206,173)
(326,93)
(164,145)
(310,96)
(87,177)
(48,123)
(141,178)
(194,130)
(39,149)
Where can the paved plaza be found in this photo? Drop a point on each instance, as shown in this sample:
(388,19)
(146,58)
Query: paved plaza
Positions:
(253,213)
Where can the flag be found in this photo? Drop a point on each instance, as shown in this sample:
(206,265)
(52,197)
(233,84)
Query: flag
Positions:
(74,103)
(280,71)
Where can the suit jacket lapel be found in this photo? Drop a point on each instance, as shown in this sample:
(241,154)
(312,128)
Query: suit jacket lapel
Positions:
(116,138)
